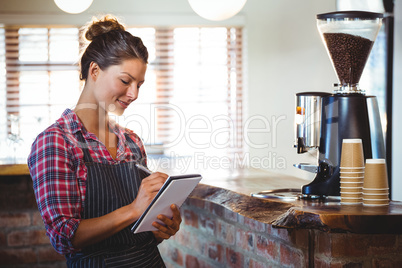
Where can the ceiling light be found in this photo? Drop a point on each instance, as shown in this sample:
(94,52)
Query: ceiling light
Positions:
(217,9)
(361,5)
(73,6)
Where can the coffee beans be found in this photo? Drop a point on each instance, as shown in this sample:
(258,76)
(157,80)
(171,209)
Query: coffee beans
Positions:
(349,54)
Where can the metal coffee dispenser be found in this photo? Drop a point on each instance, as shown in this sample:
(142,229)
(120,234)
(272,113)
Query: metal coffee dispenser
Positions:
(322,119)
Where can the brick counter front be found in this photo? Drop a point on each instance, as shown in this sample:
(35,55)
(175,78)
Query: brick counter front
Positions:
(23,242)
(236,233)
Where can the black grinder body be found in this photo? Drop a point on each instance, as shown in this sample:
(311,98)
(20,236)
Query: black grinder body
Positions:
(344,116)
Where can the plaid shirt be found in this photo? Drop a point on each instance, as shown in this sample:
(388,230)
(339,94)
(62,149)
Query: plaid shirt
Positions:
(59,174)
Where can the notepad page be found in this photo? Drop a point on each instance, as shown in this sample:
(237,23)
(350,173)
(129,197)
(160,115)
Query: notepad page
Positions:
(177,188)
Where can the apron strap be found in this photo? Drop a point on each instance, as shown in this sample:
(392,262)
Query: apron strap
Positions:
(135,149)
(84,146)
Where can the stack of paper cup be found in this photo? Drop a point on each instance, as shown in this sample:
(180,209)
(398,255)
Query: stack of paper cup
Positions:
(352,171)
(375,186)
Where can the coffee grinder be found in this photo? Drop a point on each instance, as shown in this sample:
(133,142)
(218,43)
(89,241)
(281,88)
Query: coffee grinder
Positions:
(323,119)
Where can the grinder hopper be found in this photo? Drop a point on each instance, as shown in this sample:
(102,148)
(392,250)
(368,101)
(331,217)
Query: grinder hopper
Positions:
(349,37)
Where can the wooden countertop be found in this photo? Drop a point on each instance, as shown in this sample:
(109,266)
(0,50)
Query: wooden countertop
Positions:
(232,189)
(14,170)
(326,215)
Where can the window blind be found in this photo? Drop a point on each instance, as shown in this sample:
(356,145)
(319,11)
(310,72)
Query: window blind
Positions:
(191,102)
(41,78)
(3,95)
(196,75)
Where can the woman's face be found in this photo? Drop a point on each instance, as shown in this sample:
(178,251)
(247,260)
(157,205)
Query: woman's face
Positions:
(118,85)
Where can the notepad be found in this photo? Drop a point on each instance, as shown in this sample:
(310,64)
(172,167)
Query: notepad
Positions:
(175,190)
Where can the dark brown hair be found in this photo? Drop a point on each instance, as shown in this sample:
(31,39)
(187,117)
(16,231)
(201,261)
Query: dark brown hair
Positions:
(110,44)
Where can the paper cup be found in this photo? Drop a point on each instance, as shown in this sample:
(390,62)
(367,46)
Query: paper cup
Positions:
(376,174)
(350,201)
(352,179)
(352,174)
(351,195)
(376,196)
(352,153)
(351,189)
(376,190)
(351,184)
(368,202)
(352,168)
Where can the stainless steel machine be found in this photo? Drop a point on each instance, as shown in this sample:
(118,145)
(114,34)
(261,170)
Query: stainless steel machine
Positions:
(323,119)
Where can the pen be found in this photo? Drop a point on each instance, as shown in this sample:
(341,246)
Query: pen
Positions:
(143,168)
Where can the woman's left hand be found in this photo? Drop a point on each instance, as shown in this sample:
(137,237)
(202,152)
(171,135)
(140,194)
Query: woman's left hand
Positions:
(169,227)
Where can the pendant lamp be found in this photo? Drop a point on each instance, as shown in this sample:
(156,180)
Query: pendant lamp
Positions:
(362,5)
(73,6)
(217,10)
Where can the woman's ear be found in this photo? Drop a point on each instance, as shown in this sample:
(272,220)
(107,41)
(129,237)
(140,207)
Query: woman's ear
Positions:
(94,70)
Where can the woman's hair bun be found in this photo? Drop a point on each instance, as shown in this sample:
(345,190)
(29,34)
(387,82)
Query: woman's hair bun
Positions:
(101,26)
(106,42)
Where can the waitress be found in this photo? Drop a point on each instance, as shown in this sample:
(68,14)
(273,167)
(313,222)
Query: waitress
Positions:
(87,186)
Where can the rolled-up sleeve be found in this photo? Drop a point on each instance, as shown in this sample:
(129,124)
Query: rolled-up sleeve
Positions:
(56,188)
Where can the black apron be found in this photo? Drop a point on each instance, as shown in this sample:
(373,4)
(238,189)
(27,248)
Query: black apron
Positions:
(109,187)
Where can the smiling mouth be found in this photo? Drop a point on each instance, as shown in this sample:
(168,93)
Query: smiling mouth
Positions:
(123,103)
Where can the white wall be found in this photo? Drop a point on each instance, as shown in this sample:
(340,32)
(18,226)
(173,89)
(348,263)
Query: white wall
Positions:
(285,56)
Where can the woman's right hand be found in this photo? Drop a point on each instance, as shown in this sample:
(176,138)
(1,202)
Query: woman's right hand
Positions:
(148,189)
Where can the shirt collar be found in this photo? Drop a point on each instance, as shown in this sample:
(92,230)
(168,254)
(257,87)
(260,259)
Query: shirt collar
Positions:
(70,122)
